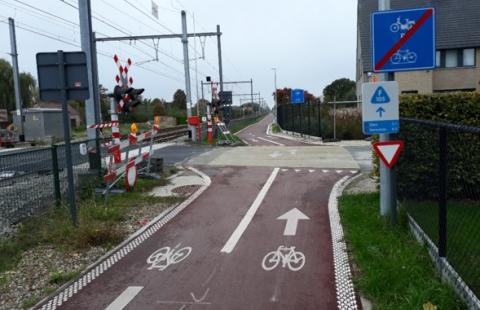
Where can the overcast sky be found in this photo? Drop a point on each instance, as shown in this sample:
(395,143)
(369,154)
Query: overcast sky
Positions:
(310,42)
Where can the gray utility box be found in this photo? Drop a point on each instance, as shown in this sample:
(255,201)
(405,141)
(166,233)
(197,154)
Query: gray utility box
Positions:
(41,124)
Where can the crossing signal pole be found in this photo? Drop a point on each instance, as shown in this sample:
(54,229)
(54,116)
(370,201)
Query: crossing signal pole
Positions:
(184,37)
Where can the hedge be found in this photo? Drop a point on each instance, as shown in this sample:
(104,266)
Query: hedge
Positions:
(418,165)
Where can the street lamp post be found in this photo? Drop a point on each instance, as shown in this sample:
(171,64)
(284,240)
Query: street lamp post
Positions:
(275,83)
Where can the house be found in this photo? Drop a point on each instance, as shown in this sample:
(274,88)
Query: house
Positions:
(457,44)
(75,117)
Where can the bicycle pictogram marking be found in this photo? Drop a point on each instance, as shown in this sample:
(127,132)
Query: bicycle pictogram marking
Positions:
(294,260)
(166,256)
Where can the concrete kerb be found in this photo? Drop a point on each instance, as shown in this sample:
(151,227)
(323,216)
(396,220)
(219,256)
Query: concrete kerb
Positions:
(346,297)
(66,291)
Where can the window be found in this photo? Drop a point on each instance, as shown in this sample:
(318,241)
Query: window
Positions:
(455,58)
(469,57)
(451,59)
(438,59)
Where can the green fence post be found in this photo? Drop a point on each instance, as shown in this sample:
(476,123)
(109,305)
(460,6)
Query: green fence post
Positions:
(56,176)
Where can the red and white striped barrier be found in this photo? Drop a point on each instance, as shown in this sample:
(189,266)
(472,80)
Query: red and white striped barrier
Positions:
(112,175)
(132,140)
(104,125)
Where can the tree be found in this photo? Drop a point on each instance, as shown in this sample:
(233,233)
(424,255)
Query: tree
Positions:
(285,94)
(158,107)
(202,106)
(340,90)
(28,87)
(180,100)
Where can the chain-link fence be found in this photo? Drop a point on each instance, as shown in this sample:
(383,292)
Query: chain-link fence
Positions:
(32,180)
(439,185)
(331,121)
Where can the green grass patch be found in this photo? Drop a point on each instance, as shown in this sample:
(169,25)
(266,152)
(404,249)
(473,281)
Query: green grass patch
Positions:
(463,235)
(98,224)
(59,278)
(239,125)
(395,271)
(276,128)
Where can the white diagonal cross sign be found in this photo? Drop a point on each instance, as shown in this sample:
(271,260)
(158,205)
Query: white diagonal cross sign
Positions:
(292,217)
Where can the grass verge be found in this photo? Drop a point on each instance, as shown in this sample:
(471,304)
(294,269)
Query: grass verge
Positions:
(98,225)
(276,128)
(463,234)
(395,272)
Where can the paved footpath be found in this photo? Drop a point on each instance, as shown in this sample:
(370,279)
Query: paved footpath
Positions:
(258,237)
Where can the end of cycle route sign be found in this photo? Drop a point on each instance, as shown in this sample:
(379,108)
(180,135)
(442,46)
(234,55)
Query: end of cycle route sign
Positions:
(403,40)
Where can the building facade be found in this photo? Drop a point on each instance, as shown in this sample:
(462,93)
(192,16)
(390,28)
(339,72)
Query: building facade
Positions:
(457,44)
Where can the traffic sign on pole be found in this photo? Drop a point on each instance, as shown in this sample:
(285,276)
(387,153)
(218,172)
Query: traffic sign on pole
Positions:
(388,151)
(298,96)
(403,40)
(380,108)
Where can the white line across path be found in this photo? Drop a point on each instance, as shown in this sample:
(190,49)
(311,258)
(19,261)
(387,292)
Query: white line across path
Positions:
(125,298)
(242,226)
(274,142)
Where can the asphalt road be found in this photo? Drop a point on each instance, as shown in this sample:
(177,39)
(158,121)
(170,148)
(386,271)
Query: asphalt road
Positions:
(258,238)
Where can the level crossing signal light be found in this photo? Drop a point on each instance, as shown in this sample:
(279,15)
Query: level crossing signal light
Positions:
(127,98)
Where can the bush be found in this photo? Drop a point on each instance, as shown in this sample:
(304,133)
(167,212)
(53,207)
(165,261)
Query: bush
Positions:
(418,165)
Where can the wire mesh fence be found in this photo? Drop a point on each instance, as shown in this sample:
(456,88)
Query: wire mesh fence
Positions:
(331,121)
(439,185)
(32,180)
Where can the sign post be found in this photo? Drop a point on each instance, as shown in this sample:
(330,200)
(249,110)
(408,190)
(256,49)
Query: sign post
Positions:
(402,40)
(62,77)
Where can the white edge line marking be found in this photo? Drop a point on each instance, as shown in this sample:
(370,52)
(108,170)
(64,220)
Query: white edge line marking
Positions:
(155,225)
(346,298)
(279,144)
(125,298)
(242,226)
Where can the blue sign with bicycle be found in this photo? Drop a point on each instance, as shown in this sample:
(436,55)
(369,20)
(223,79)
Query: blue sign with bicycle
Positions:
(298,96)
(403,40)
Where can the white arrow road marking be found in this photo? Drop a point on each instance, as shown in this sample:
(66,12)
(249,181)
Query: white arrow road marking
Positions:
(242,226)
(275,154)
(339,171)
(201,299)
(284,170)
(353,171)
(311,171)
(297,170)
(274,142)
(125,298)
(325,171)
(292,217)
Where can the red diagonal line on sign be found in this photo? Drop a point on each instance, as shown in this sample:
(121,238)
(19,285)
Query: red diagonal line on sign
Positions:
(405,38)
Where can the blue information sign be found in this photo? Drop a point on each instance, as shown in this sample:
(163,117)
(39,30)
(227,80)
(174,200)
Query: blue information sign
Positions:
(403,40)
(298,96)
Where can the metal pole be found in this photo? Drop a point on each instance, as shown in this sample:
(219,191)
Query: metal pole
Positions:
(196,64)
(385,173)
(220,64)
(442,199)
(203,95)
(275,83)
(97,104)
(16,77)
(66,134)
(335,118)
(187,73)
(251,94)
(86,40)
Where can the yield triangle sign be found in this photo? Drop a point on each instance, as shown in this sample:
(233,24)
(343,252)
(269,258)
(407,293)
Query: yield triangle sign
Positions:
(380,96)
(388,151)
